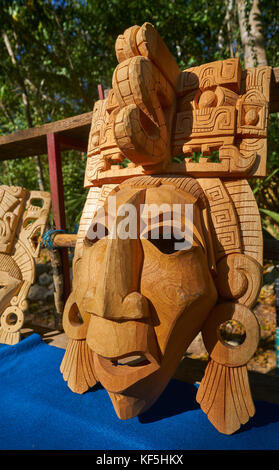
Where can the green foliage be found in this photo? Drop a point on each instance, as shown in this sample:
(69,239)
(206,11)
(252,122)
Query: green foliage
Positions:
(22,172)
(266,192)
(74,193)
(64,49)
(213,157)
(19,173)
(271,223)
(274,215)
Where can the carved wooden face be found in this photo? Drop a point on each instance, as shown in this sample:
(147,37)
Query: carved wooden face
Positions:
(147,297)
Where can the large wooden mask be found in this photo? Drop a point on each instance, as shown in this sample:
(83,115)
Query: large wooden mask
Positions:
(144,283)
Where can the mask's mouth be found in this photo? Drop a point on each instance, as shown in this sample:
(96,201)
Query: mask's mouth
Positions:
(118,374)
(124,352)
(131,361)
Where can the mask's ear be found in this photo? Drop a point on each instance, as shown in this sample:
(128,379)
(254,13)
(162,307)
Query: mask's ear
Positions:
(77,363)
(224,393)
(239,278)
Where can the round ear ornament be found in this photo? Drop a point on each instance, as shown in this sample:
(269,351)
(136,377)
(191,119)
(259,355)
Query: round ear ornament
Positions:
(239,277)
(224,393)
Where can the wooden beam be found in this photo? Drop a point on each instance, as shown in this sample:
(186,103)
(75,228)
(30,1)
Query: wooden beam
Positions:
(69,143)
(30,142)
(65,240)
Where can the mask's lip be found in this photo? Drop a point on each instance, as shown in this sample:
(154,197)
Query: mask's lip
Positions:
(117,378)
(112,341)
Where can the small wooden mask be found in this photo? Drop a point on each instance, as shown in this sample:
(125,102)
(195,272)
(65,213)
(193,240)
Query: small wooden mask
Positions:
(23,217)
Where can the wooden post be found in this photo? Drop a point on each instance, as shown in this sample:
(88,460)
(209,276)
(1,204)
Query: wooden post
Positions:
(56,180)
(57,196)
(100,92)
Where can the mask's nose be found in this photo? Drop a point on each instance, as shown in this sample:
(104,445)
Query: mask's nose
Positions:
(116,293)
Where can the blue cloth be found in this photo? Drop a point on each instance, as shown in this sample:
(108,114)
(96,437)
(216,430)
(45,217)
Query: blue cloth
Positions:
(38,411)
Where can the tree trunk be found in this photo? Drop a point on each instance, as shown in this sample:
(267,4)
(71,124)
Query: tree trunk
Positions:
(251,34)
(229,22)
(39,172)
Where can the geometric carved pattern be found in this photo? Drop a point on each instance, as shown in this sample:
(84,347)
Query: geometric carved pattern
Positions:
(223,108)
(23,217)
(86,217)
(11,207)
(154,112)
(95,199)
(224,220)
(248,216)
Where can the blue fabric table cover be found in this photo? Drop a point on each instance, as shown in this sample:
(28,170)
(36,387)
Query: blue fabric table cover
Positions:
(39,412)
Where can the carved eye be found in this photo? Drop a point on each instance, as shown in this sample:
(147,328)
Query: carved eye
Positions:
(251,117)
(207,99)
(95,139)
(165,241)
(95,233)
